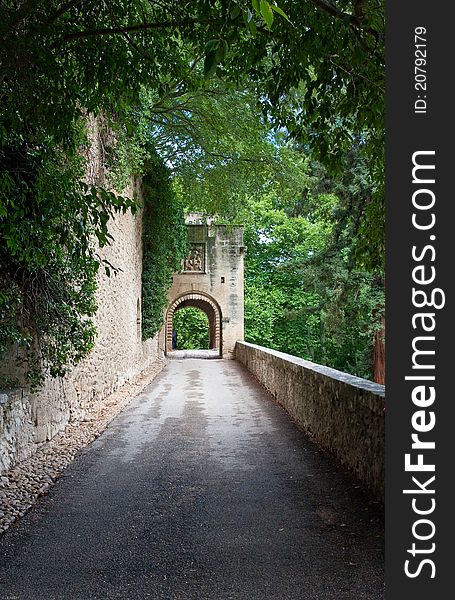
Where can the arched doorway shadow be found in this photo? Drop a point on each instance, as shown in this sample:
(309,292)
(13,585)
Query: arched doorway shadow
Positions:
(209,306)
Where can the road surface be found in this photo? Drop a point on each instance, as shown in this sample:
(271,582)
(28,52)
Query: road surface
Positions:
(202,489)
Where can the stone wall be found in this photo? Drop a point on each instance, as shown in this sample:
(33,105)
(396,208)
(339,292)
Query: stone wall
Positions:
(342,413)
(29,419)
(119,354)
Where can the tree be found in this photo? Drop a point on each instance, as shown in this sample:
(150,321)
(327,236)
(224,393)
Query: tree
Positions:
(314,67)
(304,293)
(216,144)
(319,71)
(192,327)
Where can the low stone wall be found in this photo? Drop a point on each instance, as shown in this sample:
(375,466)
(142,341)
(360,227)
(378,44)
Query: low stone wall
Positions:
(342,413)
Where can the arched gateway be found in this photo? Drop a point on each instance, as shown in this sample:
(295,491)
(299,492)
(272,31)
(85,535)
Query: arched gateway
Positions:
(211,279)
(204,303)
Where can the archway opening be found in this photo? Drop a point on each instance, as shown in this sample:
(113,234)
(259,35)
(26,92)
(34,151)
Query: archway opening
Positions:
(209,323)
(191,329)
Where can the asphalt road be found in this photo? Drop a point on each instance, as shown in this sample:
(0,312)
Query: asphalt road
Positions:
(202,489)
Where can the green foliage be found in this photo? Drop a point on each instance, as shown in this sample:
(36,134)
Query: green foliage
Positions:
(315,68)
(50,220)
(358,221)
(164,243)
(192,327)
(216,144)
(304,294)
(10,309)
(9,383)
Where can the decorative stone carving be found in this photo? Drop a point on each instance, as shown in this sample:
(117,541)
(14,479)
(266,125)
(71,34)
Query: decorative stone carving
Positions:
(195,261)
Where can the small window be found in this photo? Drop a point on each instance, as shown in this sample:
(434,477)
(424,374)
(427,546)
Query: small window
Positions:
(139,318)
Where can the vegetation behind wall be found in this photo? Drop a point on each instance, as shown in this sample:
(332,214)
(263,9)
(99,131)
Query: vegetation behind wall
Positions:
(164,243)
(192,328)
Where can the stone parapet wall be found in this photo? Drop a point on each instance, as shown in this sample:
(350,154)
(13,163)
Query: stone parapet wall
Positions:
(342,413)
(16,427)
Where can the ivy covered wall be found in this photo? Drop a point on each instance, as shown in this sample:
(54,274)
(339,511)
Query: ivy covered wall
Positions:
(164,243)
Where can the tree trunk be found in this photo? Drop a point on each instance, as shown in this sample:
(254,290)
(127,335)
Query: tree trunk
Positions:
(379,355)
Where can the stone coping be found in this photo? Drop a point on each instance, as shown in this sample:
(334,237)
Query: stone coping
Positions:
(347,378)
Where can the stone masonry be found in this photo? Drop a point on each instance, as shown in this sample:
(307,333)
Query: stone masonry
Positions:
(27,420)
(212,280)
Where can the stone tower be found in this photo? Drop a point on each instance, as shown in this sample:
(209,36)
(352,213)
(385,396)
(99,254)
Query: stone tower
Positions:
(211,280)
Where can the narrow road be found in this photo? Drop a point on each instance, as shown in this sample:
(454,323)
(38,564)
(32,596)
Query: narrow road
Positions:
(202,489)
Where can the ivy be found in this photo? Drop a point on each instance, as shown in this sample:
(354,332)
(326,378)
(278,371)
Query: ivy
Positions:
(52,223)
(164,243)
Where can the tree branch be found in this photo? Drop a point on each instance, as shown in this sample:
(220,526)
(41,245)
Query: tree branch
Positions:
(359,6)
(332,10)
(139,50)
(77,35)
(355,20)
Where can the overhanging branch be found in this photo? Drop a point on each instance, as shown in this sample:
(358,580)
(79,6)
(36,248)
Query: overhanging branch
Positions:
(77,35)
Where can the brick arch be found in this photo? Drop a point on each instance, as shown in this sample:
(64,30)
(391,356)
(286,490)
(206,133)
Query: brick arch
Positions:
(205,303)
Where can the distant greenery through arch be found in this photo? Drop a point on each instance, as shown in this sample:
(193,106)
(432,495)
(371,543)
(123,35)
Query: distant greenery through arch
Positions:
(192,327)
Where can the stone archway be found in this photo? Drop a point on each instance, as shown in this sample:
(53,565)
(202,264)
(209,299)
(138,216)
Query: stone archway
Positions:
(211,279)
(205,303)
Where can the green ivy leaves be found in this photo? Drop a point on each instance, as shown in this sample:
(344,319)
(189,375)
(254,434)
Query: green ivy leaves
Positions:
(164,243)
(51,224)
(215,53)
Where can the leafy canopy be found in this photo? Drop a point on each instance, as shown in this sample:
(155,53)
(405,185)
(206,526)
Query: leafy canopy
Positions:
(314,68)
(318,71)
(304,293)
(216,144)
